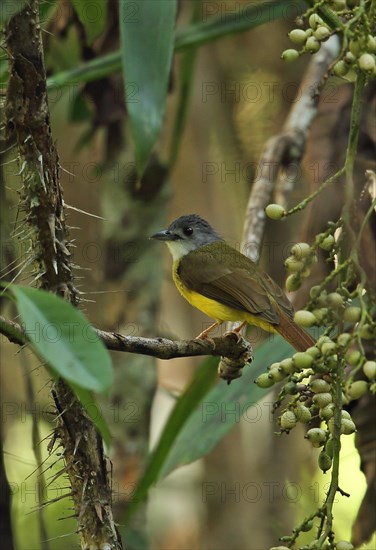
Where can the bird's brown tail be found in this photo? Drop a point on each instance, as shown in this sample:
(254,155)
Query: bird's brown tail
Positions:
(293,333)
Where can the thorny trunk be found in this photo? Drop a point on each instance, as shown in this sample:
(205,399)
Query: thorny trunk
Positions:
(28,124)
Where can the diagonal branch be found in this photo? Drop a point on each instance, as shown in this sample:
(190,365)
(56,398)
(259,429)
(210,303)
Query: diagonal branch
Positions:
(286,148)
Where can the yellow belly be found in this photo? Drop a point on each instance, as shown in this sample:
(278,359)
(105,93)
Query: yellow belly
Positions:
(217,311)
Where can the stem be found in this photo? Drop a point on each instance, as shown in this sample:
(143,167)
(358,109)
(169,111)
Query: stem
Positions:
(350,240)
(352,144)
(311,197)
(334,483)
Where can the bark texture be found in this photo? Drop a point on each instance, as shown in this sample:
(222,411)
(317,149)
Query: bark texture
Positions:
(43,223)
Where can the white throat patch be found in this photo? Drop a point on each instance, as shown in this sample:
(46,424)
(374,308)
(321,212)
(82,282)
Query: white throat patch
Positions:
(178,249)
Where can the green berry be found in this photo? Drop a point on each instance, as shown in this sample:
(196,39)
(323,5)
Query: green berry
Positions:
(327,412)
(346,414)
(307,526)
(366,332)
(344,339)
(369,369)
(322,340)
(329,447)
(302,360)
(297,36)
(315,20)
(293,282)
(357,389)
(344,545)
(345,399)
(289,55)
(338,5)
(325,462)
(313,351)
(332,362)
(264,381)
(354,47)
(287,365)
(275,211)
(312,45)
(293,265)
(312,259)
(321,33)
(320,313)
(318,385)
(339,69)
(352,314)
(349,58)
(314,292)
(301,250)
(277,373)
(287,420)
(322,399)
(316,436)
(351,76)
(291,388)
(322,299)
(331,425)
(335,300)
(347,426)
(367,62)
(304,318)
(328,348)
(371,44)
(302,413)
(353,357)
(327,243)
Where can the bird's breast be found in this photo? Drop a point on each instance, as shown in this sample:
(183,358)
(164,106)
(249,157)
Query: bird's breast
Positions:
(212,308)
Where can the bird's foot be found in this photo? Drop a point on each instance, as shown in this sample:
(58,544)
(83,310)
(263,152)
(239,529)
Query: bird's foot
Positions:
(237,330)
(204,334)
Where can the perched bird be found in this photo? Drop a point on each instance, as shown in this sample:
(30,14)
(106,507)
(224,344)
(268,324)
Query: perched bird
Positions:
(226,285)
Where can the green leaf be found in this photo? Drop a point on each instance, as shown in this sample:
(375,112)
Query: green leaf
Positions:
(201,383)
(62,336)
(79,110)
(9,9)
(192,36)
(223,407)
(147,43)
(93,411)
(93,16)
(216,23)
(186,81)
(201,416)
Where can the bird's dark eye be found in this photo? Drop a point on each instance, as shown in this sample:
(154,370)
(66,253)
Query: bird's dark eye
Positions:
(188,231)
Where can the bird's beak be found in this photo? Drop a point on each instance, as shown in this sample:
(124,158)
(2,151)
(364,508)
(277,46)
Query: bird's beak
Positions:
(165,235)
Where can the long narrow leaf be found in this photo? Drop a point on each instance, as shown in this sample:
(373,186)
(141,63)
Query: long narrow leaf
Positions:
(198,421)
(92,15)
(147,44)
(203,380)
(191,36)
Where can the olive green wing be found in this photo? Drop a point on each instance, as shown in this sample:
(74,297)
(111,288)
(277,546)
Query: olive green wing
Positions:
(221,273)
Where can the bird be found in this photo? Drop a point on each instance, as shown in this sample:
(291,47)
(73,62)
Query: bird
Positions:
(225,284)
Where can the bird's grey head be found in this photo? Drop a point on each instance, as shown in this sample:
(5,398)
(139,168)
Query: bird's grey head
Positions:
(186,234)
